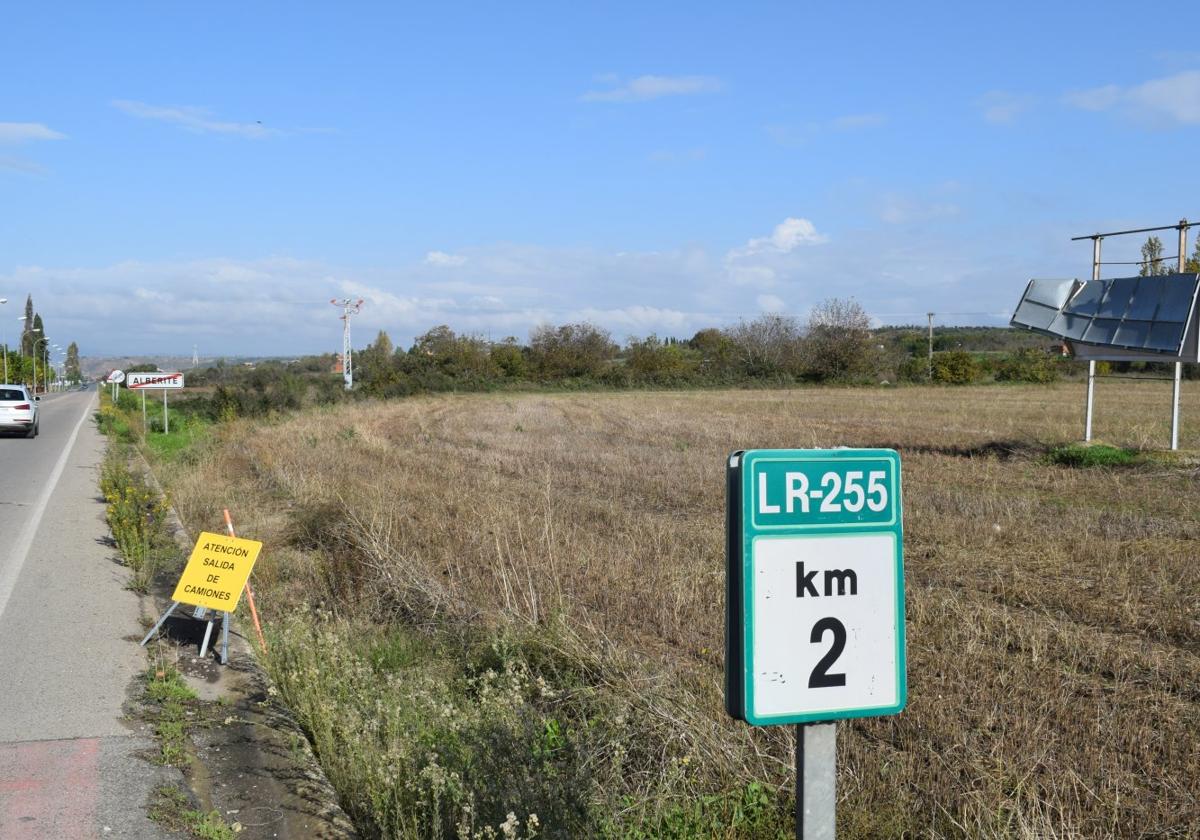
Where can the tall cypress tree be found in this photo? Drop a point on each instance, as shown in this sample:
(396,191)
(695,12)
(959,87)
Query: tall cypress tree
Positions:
(27,328)
(39,337)
(72,366)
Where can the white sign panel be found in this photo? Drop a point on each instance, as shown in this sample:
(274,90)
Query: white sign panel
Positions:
(116,377)
(160,379)
(824,632)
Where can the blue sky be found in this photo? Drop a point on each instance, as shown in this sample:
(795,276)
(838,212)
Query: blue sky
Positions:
(212,174)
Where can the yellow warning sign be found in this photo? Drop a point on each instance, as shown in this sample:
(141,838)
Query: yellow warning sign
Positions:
(217,572)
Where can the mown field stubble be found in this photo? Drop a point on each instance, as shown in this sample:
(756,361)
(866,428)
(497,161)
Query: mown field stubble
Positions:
(577,541)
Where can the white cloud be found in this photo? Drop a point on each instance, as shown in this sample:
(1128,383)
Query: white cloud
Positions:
(1094,99)
(788,235)
(280,306)
(759,276)
(799,135)
(1167,100)
(441,258)
(770,303)
(198,120)
(644,318)
(654,87)
(1000,107)
(15,132)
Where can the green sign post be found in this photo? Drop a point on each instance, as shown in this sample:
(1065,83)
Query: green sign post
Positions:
(814,594)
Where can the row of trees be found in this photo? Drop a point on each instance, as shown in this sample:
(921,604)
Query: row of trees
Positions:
(835,345)
(28,361)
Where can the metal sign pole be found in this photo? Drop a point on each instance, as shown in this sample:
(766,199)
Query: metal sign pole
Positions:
(1178,365)
(166,418)
(1091,383)
(144,426)
(816,781)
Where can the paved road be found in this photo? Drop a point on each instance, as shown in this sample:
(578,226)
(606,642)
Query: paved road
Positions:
(67,759)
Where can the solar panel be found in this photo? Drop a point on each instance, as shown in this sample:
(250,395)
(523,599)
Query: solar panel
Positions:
(1178,298)
(1136,313)
(1087,300)
(1144,303)
(1070,326)
(1117,297)
(1041,302)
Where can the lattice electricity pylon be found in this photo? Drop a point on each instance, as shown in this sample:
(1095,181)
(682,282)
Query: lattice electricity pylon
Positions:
(349,307)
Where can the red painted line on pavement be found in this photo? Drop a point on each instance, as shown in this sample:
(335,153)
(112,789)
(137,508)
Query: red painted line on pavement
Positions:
(50,789)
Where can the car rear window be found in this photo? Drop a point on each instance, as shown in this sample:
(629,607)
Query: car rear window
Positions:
(11,395)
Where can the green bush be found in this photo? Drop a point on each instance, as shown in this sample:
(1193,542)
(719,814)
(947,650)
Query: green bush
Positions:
(913,369)
(137,517)
(570,351)
(659,362)
(490,736)
(1029,365)
(955,367)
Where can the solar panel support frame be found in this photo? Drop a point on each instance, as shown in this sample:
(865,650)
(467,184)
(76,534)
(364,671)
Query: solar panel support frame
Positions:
(1096,330)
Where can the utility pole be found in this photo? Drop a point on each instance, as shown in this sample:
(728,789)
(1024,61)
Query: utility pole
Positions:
(929,371)
(350,308)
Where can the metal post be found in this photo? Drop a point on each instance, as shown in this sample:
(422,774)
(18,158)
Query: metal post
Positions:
(166,418)
(1175,406)
(161,620)
(1091,393)
(816,781)
(1091,383)
(929,371)
(145,427)
(224,638)
(1175,386)
(208,628)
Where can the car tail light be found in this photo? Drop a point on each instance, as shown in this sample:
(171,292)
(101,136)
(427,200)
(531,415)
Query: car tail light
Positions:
(22,407)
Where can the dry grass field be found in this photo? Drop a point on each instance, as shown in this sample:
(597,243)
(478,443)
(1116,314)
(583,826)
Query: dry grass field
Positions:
(559,559)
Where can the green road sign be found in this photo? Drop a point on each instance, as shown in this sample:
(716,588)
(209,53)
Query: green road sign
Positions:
(814,585)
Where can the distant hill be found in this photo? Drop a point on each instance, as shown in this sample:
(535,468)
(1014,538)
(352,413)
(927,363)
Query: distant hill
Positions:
(94,366)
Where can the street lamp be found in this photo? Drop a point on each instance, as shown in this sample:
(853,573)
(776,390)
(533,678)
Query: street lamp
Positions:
(34,356)
(54,369)
(3,301)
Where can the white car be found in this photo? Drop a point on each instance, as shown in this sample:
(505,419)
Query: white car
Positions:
(18,410)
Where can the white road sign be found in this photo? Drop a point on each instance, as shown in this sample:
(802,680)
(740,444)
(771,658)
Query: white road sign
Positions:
(160,379)
(815,598)
(116,377)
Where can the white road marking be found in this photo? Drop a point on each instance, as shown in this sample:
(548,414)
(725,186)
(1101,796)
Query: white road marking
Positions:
(20,549)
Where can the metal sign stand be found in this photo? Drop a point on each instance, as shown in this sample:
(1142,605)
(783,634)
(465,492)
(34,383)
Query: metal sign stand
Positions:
(199,614)
(1181,257)
(166,418)
(203,613)
(816,781)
